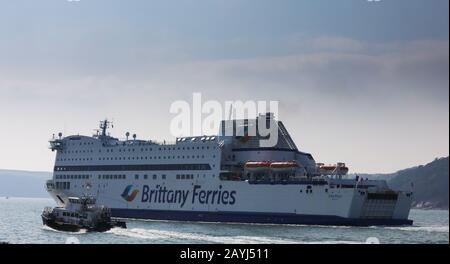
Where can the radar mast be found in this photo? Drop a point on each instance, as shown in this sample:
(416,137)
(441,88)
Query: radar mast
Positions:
(104,125)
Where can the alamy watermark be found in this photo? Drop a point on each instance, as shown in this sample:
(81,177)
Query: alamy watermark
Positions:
(204,118)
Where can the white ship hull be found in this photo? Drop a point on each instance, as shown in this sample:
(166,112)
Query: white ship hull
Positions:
(183,182)
(252,203)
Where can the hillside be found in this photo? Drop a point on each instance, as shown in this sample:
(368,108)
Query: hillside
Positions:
(430,181)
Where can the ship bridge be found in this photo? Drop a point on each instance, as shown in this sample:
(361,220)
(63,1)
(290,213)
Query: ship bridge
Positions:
(243,142)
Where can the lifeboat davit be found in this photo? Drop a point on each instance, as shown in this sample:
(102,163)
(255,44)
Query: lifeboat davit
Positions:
(257,165)
(283,165)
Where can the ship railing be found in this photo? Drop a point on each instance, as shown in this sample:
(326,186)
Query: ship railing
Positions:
(162,143)
(319,178)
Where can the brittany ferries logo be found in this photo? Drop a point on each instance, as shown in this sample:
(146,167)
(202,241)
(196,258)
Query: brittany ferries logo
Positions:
(126,193)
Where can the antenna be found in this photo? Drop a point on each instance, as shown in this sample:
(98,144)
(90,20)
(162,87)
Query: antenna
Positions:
(104,125)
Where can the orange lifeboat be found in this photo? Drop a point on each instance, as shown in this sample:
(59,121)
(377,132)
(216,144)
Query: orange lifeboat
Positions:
(257,165)
(328,167)
(339,169)
(283,165)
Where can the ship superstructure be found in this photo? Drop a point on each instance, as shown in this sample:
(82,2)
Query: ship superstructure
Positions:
(219,178)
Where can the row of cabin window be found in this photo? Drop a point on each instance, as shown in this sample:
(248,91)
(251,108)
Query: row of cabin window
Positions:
(63,185)
(58,176)
(142,167)
(74,159)
(185,176)
(134,158)
(77,151)
(66,185)
(123,176)
(83,143)
(136,177)
(159,157)
(112,177)
(132,150)
(163,149)
(154,177)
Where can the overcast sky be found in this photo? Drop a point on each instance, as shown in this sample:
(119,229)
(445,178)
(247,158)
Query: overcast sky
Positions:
(361,82)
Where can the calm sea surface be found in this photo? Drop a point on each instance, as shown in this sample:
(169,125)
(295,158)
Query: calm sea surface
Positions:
(20,222)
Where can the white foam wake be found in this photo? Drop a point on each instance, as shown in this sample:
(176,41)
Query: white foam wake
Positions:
(441,229)
(47,228)
(155,234)
(175,236)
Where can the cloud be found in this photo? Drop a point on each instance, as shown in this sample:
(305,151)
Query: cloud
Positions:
(378,106)
(370,71)
(364,75)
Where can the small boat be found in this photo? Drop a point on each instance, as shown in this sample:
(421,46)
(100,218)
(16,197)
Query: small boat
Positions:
(80,213)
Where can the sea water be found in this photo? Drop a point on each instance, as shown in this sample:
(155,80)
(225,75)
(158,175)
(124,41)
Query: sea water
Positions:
(20,222)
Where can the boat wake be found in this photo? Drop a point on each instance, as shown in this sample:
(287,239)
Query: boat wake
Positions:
(174,236)
(437,228)
(47,228)
(183,237)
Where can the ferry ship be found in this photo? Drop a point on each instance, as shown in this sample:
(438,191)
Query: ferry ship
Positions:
(220,178)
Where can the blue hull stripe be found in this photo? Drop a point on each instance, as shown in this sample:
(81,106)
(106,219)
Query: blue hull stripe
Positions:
(250,217)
